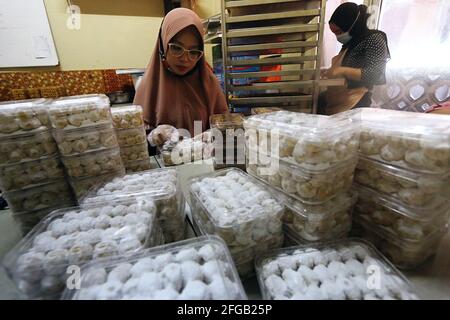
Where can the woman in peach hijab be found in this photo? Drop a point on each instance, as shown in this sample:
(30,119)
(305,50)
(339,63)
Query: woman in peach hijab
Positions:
(178,86)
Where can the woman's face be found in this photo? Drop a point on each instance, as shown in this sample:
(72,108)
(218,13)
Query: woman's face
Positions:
(181,63)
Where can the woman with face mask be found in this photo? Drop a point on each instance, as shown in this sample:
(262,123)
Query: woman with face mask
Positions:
(179,87)
(361,61)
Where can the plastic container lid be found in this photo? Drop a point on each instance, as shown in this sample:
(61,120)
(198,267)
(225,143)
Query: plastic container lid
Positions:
(60,105)
(156,183)
(30,260)
(419,214)
(207,255)
(226,121)
(305,272)
(30,174)
(40,197)
(127,117)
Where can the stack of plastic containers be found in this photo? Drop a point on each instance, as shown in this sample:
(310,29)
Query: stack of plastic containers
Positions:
(404,179)
(31,174)
(195,269)
(340,270)
(161,185)
(241,210)
(310,160)
(41,263)
(129,124)
(86,140)
(228,140)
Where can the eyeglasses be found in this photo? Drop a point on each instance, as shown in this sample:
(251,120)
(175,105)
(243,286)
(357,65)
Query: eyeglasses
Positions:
(177,51)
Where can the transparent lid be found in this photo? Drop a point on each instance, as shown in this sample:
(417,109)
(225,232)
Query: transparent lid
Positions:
(237,194)
(418,214)
(83,132)
(81,101)
(226,121)
(295,123)
(122,111)
(85,233)
(11,107)
(155,183)
(163,267)
(431,126)
(349,262)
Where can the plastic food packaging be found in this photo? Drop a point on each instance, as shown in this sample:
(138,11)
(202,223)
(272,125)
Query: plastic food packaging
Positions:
(159,184)
(138,165)
(236,207)
(194,269)
(401,222)
(40,197)
(83,186)
(303,139)
(405,254)
(23,116)
(93,163)
(131,137)
(79,141)
(79,111)
(29,174)
(415,189)
(127,117)
(410,140)
(339,270)
(26,147)
(136,152)
(311,186)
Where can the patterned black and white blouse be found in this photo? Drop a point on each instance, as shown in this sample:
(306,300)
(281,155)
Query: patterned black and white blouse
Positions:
(370,55)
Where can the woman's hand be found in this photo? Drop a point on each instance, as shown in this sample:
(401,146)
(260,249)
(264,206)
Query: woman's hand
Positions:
(161,134)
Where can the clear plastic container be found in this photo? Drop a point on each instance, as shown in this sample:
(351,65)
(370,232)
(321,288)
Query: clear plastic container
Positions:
(414,189)
(236,207)
(263,110)
(245,259)
(139,165)
(184,151)
(315,185)
(291,237)
(27,147)
(41,197)
(127,117)
(227,131)
(75,236)
(194,269)
(226,121)
(136,152)
(303,139)
(411,140)
(79,141)
(401,222)
(159,184)
(320,222)
(80,111)
(220,164)
(82,186)
(405,254)
(30,174)
(22,116)
(93,163)
(350,269)
(131,137)
(27,221)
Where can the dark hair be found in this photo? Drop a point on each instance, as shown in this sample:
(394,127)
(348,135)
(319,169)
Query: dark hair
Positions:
(344,16)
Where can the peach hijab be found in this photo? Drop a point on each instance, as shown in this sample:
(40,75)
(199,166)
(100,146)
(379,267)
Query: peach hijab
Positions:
(179,100)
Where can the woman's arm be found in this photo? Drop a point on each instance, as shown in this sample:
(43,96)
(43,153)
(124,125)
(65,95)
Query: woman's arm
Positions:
(353,74)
